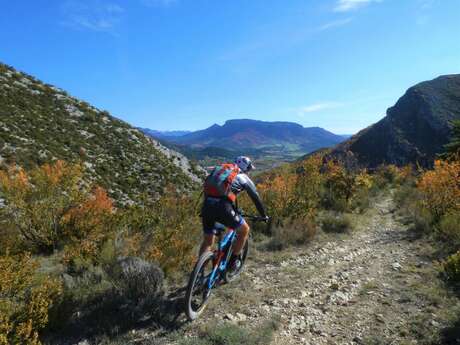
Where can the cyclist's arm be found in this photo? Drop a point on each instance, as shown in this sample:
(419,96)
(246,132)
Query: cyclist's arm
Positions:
(251,189)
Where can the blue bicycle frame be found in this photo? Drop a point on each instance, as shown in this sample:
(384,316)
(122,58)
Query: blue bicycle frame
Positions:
(220,261)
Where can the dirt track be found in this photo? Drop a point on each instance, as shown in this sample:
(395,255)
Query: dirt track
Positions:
(373,286)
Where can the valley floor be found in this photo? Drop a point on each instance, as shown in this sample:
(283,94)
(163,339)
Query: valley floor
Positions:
(377,285)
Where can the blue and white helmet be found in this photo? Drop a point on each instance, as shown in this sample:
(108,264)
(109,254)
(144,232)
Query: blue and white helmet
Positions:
(244,163)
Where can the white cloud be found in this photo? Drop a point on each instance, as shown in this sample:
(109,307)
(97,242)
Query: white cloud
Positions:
(350,5)
(334,24)
(91,15)
(316,107)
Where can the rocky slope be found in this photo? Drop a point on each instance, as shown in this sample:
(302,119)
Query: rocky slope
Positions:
(40,123)
(414,130)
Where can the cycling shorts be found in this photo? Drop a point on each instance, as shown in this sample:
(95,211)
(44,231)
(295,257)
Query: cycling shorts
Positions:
(221,211)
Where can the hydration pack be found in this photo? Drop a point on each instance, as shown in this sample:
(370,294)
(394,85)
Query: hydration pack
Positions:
(218,184)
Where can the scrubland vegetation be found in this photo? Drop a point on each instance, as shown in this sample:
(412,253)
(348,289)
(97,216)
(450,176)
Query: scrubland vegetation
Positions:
(54,222)
(68,254)
(431,203)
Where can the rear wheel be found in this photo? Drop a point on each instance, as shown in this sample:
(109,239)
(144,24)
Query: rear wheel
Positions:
(230,275)
(197,290)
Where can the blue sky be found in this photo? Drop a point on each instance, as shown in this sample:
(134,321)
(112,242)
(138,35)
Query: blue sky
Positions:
(186,64)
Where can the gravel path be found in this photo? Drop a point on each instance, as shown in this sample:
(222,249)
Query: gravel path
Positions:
(360,288)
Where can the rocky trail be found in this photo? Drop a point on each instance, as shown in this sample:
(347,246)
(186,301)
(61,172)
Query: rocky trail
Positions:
(373,286)
(376,285)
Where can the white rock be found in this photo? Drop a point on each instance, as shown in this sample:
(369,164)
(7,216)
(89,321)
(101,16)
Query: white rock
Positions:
(396,266)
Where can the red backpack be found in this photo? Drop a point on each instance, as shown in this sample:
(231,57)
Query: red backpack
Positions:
(219,182)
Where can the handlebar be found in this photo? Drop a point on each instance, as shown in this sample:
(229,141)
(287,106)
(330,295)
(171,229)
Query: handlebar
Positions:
(256,218)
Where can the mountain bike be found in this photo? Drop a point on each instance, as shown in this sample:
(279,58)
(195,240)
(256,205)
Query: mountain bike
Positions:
(211,269)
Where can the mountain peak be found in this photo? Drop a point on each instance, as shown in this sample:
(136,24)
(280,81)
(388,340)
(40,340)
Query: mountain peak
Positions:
(248,135)
(415,129)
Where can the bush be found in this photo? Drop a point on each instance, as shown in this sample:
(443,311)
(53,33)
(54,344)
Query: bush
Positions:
(423,219)
(451,267)
(291,193)
(337,223)
(137,279)
(296,232)
(163,231)
(338,186)
(439,188)
(88,227)
(361,200)
(37,202)
(449,229)
(25,300)
(48,208)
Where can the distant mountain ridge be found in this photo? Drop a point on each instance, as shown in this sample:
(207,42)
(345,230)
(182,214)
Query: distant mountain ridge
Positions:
(40,123)
(164,134)
(270,137)
(415,129)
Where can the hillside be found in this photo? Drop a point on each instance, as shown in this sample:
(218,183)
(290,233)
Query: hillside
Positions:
(415,129)
(41,123)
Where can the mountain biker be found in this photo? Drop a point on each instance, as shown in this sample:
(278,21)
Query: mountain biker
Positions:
(222,208)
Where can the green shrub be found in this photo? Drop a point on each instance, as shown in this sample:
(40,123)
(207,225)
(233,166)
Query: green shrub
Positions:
(449,229)
(361,200)
(451,267)
(295,232)
(25,300)
(336,223)
(423,220)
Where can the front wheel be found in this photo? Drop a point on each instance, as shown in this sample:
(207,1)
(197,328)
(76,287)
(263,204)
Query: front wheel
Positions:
(197,290)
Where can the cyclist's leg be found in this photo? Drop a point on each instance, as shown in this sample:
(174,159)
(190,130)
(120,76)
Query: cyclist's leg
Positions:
(208,241)
(242,233)
(208,214)
(237,222)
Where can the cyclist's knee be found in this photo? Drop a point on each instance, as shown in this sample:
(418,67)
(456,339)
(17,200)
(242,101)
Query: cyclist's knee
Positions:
(243,229)
(208,240)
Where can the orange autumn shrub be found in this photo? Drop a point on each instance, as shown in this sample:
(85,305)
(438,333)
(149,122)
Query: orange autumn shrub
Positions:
(338,186)
(88,226)
(49,208)
(25,300)
(278,195)
(308,187)
(291,194)
(37,201)
(440,188)
(343,189)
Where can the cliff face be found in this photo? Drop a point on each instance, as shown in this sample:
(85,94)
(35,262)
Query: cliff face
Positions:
(415,129)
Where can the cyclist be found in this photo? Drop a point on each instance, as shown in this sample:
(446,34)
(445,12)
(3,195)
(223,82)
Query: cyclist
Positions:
(221,189)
